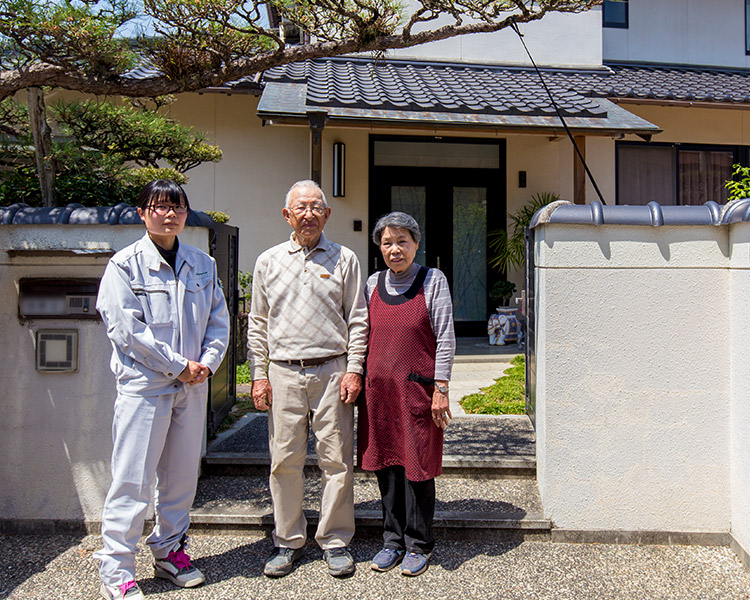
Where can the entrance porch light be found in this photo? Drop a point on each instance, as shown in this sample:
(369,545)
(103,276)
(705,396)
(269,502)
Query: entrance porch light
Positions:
(339,168)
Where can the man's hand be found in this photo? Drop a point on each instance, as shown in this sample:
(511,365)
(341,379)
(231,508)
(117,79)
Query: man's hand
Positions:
(262,394)
(351,385)
(194,373)
(441,407)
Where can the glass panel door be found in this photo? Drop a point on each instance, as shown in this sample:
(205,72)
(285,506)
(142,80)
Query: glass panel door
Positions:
(413,201)
(469,253)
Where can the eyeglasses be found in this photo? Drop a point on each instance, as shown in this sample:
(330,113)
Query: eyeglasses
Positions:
(317,209)
(163,209)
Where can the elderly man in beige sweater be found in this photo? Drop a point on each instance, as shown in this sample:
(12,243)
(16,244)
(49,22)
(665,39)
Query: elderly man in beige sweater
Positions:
(307,337)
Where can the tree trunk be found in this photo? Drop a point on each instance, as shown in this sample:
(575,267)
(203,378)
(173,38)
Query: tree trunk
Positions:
(40,131)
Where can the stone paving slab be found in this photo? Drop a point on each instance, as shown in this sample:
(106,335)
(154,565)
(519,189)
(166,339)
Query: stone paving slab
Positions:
(515,497)
(488,437)
(62,567)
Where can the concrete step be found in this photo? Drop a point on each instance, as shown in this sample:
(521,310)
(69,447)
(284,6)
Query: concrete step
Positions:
(480,447)
(466,508)
(257,463)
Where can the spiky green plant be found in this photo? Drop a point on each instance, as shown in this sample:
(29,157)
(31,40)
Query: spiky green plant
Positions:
(509,251)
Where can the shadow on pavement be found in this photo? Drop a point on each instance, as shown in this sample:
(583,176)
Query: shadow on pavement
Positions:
(21,561)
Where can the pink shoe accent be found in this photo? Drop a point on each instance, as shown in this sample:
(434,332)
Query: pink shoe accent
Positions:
(126,586)
(179,559)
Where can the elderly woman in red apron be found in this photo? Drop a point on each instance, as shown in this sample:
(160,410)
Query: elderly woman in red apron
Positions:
(406,407)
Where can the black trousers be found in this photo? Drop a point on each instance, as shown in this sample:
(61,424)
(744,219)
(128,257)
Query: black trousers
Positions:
(408,510)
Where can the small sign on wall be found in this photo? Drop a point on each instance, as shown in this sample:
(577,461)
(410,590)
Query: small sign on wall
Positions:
(57,350)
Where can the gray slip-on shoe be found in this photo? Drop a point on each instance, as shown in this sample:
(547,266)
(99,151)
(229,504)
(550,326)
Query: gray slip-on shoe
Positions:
(281,562)
(339,561)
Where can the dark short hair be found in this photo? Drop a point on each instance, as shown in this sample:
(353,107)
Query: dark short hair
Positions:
(163,190)
(396,220)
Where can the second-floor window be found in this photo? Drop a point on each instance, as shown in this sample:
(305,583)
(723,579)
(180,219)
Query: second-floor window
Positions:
(615,13)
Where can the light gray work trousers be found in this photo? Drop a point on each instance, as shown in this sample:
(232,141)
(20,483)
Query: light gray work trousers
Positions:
(304,398)
(157,439)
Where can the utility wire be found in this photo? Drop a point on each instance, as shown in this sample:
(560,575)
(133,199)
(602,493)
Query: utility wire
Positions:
(514,26)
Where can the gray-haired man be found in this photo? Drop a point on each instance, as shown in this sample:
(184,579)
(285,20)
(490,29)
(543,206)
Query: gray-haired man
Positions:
(308,328)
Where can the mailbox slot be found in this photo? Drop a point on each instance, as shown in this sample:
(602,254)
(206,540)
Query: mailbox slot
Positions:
(57,298)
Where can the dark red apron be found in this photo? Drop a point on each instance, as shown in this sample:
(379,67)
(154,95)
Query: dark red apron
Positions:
(395,420)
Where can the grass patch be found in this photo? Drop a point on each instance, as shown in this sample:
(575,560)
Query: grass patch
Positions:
(243,373)
(504,397)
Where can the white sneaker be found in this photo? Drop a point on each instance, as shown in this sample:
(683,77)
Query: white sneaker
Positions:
(178,569)
(126,591)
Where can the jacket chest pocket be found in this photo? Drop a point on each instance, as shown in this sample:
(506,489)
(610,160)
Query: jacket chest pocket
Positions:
(198,297)
(156,304)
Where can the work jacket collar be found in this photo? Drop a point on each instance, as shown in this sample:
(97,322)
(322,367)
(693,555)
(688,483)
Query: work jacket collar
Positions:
(154,259)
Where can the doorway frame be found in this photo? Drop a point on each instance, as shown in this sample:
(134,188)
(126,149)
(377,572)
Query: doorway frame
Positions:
(496,207)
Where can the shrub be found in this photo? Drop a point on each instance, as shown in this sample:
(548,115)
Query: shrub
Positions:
(507,396)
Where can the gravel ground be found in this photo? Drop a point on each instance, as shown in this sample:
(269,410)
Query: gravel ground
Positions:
(453,494)
(503,437)
(62,567)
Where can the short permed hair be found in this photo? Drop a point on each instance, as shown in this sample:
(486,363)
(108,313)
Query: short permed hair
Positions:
(305,183)
(396,220)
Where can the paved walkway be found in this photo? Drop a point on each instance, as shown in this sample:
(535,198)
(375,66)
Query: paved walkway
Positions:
(477,365)
(62,567)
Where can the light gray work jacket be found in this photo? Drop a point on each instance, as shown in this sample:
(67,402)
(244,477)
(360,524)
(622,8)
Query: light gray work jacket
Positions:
(157,321)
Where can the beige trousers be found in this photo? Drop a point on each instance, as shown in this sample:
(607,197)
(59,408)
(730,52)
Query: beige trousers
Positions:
(304,398)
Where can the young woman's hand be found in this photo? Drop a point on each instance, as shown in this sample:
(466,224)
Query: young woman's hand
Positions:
(194,373)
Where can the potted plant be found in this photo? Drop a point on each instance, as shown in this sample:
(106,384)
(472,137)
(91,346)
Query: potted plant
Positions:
(503,291)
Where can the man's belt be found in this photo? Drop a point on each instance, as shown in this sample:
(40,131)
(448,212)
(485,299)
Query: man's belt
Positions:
(308,362)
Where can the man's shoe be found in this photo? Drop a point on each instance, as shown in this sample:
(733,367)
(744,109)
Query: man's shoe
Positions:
(282,561)
(386,559)
(126,591)
(178,569)
(414,564)
(339,561)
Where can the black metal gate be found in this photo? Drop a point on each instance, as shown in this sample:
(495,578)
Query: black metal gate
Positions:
(224,247)
(530,313)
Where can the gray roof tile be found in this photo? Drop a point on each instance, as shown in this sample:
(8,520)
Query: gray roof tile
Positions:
(476,89)
(401,85)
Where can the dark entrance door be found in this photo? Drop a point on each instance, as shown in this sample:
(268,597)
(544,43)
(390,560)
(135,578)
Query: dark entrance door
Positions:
(455,208)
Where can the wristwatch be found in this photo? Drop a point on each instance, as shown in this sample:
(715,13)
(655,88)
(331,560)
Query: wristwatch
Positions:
(443,389)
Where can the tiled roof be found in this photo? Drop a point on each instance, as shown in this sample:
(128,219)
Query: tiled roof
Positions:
(249,84)
(408,93)
(662,82)
(76,214)
(653,214)
(446,88)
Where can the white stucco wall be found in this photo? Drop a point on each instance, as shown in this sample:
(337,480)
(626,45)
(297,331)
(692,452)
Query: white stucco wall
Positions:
(55,434)
(739,344)
(681,32)
(557,39)
(633,377)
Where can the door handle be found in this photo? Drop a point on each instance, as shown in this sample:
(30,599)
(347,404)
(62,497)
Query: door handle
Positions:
(438,262)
